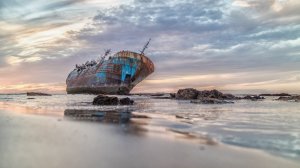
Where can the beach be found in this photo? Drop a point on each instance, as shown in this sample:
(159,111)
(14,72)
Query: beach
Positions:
(150,84)
(32,137)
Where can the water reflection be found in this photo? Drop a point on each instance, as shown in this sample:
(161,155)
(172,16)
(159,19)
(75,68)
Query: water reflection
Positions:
(132,124)
(107,116)
(209,114)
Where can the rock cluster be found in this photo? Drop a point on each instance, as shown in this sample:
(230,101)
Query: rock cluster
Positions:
(126,101)
(190,93)
(290,98)
(37,94)
(106,100)
(253,97)
(276,94)
(204,97)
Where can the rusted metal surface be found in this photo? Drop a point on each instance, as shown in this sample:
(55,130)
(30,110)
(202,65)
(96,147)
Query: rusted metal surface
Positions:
(117,75)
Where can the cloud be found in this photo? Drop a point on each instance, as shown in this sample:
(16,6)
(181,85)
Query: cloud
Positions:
(191,38)
(239,40)
(61,4)
(180,26)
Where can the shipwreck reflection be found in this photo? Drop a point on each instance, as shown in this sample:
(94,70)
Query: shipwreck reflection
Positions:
(131,123)
(107,116)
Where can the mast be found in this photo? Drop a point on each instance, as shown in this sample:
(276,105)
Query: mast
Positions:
(100,62)
(145,47)
(106,53)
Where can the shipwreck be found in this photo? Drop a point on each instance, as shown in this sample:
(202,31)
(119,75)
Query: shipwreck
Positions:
(110,74)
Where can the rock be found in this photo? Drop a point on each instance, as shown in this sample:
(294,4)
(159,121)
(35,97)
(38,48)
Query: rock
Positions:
(179,116)
(187,94)
(283,98)
(30,98)
(173,95)
(230,97)
(206,95)
(214,94)
(277,94)
(126,101)
(290,98)
(37,94)
(161,97)
(282,94)
(157,94)
(247,97)
(211,101)
(253,97)
(105,100)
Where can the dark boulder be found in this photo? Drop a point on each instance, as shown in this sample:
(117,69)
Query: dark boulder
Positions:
(206,95)
(105,100)
(126,101)
(173,95)
(187,94)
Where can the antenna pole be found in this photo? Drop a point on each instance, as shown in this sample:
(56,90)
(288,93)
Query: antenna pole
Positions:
(145,47)
(106,52)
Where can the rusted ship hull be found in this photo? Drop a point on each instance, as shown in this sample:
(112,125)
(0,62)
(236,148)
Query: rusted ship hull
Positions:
(99,90)
(117,75)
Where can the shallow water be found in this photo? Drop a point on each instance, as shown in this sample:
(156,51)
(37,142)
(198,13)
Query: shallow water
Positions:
(271,126)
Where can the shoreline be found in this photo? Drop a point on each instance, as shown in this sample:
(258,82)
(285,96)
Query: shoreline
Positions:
(44,129)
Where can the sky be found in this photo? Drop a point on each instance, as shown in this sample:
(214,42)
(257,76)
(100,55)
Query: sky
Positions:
(249,46)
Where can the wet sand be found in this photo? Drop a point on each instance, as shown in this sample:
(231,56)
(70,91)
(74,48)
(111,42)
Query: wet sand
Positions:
(30,141)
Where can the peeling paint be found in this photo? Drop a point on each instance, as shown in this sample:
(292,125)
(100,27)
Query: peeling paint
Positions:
(117,75)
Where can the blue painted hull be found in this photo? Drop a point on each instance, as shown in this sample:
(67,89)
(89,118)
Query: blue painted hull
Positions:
(117,75)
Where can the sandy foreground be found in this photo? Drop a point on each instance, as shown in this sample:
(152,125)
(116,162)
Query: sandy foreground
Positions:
(34,141)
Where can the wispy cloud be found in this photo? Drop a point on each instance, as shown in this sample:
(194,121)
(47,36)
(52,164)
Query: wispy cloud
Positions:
(191,39)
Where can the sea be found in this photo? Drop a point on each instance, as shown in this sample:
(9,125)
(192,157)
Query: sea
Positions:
(268,125)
